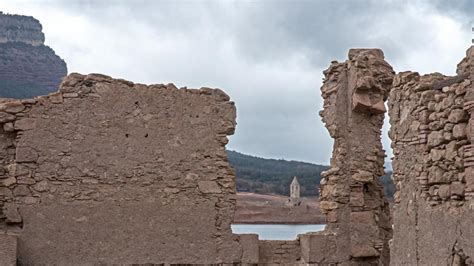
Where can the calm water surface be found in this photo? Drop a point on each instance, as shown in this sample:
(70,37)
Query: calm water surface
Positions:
(276,231)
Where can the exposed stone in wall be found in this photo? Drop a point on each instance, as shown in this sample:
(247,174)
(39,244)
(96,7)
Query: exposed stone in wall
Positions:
(358,218)
(431,131)
(108,171)
(28,68)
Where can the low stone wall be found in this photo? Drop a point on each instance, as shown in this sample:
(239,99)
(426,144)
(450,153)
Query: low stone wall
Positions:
(279,251)
(431,132)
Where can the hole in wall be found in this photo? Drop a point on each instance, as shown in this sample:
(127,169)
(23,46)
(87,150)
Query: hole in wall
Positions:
(386,180)
(276,216)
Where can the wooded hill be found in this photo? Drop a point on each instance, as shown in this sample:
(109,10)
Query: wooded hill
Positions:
(273,176)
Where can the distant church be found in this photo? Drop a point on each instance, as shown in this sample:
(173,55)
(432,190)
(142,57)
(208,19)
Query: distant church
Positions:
(294,199)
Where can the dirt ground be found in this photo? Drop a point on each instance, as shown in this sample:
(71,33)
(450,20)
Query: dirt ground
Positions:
(259,208)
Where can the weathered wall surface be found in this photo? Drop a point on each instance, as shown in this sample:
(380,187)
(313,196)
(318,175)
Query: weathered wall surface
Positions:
(279,252)
(432,136)
(8,249)
(107,171)
(358,218)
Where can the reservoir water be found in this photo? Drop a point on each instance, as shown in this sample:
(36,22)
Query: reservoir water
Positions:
(276,231)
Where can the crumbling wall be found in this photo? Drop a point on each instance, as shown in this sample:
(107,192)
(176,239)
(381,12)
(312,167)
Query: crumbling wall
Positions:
(108,171)
(431,130)
(358,219)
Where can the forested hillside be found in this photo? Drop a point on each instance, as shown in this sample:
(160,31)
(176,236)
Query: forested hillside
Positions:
(266,176)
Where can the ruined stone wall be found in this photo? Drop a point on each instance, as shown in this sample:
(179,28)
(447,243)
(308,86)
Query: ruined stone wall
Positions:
(107,171)
(432,136)
(358,220)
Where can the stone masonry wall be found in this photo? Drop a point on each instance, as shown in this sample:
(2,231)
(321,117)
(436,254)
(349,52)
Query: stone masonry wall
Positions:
(358,218)
(108,171)
(279,252)
(431,131)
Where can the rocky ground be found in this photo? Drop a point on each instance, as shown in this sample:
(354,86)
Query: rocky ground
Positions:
(258,208)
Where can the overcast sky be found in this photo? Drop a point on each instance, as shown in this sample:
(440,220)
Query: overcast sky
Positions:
(267,55)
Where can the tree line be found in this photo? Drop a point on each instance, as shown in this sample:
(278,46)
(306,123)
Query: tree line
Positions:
(273,176)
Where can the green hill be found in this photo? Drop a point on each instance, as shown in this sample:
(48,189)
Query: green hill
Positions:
(266,176)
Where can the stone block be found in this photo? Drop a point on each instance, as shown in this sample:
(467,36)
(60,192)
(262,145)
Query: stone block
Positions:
(318,247)
(5,192)
(327,205)
(451,150)
(457,115)
(8,249)
(365,217)
(363,251)
(357,196)
(6,117)
(25,124)
(70,95)
(363,176)
(444,192)
(437,154)
(208,187)
(56,97)
(457,188)
(436,175)
(11,213)
(8,127)
(249,243)
(459,131)
(7,181)
(25,155)
(14,107)
(435,138)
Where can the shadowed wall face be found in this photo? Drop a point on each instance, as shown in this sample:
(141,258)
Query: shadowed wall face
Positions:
(431,119)
(107,171)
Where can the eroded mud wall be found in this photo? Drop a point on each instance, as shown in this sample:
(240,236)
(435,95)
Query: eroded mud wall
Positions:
(107,171)
(431,119)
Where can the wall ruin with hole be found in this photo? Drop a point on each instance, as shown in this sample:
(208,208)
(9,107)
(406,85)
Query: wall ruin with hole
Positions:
(432,121)
(108,171)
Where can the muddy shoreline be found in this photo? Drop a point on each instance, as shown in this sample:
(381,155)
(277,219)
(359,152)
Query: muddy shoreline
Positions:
(272,209)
